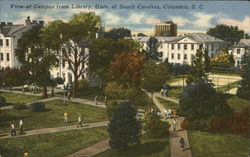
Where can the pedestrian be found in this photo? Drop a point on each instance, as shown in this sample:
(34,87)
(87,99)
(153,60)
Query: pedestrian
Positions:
(105,100)
(13,131)
(69,95)
(65,116)
(166,113)
(21,127)
(170,113)
(79,122)
(182,143)
(23,89)
(174,125)
(96,100)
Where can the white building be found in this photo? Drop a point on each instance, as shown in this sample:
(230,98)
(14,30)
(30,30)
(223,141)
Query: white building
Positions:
(9,35)
(180,49)
(239,50)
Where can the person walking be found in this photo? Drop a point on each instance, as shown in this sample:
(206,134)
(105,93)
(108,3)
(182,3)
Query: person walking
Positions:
(21,127)
(13,131)
(79,122)
(174,125)
(105,100)
(65,117)
(95,99)
(182,143)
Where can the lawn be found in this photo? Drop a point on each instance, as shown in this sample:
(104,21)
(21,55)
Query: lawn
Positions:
(53,117)
(148,148)
(168,104)
(174,92)
(52,144)
(14,98)
(205,144)
(229,74)
(90,93)
(227,87)
(176,78)
(237,104)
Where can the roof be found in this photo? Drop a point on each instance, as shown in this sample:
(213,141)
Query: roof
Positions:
(201,37)
(160,39)
(245,41)
(9,30)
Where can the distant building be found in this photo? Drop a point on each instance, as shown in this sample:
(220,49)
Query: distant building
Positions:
(165,28)
(181,49)
(239,49)
(9,35)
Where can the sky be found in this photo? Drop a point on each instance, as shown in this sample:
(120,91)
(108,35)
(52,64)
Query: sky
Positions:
(138,15)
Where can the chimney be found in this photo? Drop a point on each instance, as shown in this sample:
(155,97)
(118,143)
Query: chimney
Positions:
(9,23)
(27,21)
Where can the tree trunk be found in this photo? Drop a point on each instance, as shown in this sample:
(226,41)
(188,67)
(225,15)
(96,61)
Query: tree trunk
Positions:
(75,85)
(100,85)
(45,95)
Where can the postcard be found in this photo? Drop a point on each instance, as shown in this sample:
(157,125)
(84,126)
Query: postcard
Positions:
(124,78)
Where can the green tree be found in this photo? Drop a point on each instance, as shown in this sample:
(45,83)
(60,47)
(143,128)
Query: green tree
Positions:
(152,49)
(118,33)
(36,60)
(154,76)
(199,66)
(230,34)
(141,35)
(75,37)
(124,127)
(155,127)
(244,89)
(12,77)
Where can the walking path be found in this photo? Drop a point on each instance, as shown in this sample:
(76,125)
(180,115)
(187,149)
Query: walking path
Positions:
(92,150)
(174,136)
(56,129)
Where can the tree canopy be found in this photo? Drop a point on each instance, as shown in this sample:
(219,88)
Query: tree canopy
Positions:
(118,33)
(152,49)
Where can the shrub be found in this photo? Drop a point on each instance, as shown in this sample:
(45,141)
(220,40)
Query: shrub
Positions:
(111,107)
(20,106)
(2,101)
(38,106)
(154,127)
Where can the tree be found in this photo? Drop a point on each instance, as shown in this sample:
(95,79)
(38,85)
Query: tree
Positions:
(155,127)
(154,76)
(152,49)
(102,52)
(12,77)
(200,101)
(118,33)
(36,60)
(141,35)
(126,68)
(198,67)
(124,127)
(244,89)
(230,34)
(76,36)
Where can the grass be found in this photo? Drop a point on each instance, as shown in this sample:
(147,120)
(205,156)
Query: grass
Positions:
(229,74)
(53,117)
(205,144)
(148,148)
(176,78)
(14,98)
(174,92)
(227,87)
(237,104)
(168,104)
(53,144)
(90,93)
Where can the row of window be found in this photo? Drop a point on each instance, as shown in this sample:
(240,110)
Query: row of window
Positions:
(184,46)
(7,43)
(7,57)
(179,56)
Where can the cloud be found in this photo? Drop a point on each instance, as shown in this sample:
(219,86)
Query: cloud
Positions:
(135,18)
(152,20)
(244,24)
(180,21)
(202,19)
(112,19)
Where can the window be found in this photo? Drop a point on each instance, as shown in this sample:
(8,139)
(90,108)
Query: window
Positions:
(179,46)
(192,47)
(7,42)
(212,47)
(238,51)
(1,56)
(57,75)
(185,56)
(7,56)
(172,56)
(179,56)
(1,42)
(185,46)
(172,46)
(161,54)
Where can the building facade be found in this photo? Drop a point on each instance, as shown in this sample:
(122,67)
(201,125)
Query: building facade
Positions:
(165,28)
(239,49)
(181,49)
(9,35)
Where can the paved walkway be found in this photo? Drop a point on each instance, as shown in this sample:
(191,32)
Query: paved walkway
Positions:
(92,150)
(56,129)
(174,136)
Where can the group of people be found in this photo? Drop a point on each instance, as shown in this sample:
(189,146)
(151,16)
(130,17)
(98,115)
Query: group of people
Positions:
(66,118)
(13,130)
(170,113)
